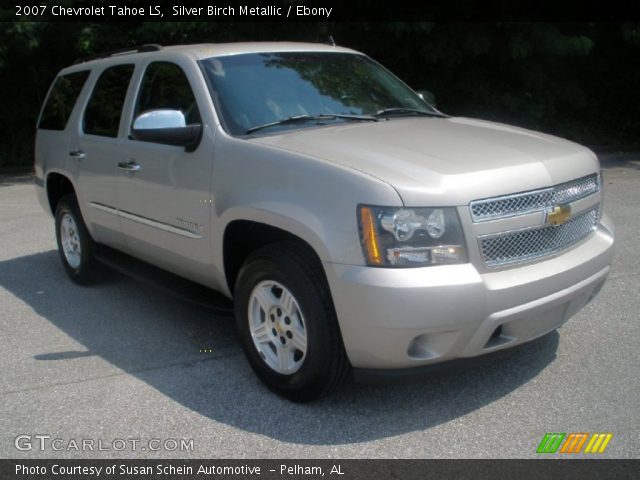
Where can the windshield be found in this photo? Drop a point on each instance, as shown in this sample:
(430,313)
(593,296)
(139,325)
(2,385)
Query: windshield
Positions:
(255,89)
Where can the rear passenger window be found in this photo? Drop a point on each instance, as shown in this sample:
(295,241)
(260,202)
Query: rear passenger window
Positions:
(63,96)
(102,116)
(165,85)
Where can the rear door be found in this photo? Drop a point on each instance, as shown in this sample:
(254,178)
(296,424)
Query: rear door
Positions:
(164,189)
(97,147)
(52,152)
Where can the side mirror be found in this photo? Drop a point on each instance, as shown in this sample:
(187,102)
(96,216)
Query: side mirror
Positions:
(427,96)
(168,127)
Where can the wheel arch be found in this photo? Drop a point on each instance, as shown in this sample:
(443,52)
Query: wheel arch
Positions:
(245,234)
(57,185)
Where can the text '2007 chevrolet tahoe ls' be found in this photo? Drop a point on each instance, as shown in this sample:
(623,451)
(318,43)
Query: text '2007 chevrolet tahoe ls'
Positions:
(353,224)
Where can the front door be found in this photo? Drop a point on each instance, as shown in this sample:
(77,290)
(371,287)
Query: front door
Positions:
(163,190)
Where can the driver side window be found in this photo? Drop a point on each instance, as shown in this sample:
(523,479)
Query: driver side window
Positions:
(165,86)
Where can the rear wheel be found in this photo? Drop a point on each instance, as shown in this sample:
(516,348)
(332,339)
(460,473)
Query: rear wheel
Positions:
(75,245)
(287,322)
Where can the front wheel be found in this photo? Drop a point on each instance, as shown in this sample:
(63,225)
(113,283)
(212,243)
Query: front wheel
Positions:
(287,322)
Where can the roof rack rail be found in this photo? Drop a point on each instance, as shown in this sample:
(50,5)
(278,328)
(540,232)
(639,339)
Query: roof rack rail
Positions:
(148,47)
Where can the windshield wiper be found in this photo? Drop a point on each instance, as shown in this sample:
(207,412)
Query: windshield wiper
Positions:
(311,118)
(405,111)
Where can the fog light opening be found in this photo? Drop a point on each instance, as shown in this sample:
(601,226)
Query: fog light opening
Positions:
(496,333)
(498,337)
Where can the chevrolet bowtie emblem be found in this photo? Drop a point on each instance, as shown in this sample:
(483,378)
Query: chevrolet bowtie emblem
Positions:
(558,215)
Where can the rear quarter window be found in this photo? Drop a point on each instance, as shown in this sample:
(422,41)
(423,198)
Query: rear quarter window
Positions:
(102,115)
(64,94)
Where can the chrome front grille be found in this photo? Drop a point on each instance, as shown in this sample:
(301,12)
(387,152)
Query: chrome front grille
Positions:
(533,201)
(522,245)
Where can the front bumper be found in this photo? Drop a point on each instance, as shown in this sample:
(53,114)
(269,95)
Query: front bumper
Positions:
(404,318)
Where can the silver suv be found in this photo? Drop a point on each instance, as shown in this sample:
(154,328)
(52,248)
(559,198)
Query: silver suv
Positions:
(355,226)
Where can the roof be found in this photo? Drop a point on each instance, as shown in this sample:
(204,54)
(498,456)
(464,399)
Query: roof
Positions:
(207,50)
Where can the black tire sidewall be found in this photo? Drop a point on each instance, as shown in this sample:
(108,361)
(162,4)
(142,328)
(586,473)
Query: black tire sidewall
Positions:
(313,374)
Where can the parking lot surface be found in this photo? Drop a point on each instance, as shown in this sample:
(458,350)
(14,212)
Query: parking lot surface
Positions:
(122,360)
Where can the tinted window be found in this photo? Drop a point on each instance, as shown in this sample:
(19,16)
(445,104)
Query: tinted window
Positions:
(166,86)
(61,100)
(257,88)
(102,116)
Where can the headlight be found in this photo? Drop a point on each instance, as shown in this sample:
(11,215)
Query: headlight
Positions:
(411,237)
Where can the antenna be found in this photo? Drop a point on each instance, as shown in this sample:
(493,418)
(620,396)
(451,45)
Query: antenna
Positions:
(331,41)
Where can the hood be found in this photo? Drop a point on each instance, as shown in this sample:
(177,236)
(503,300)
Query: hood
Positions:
(434,161)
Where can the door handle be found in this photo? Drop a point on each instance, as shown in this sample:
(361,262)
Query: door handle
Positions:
(130,166)
(78,154)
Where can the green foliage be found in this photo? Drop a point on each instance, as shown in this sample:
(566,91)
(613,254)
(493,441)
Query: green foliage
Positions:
(580,81)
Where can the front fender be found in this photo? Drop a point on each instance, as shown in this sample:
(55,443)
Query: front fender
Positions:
(309,197)
(292,219)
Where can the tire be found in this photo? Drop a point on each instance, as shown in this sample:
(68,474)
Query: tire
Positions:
(278,323)
(75,245)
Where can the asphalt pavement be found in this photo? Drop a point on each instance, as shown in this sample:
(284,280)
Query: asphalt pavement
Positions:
(124,362)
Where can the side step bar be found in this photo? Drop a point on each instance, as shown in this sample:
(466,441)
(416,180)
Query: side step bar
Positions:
(179,287)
